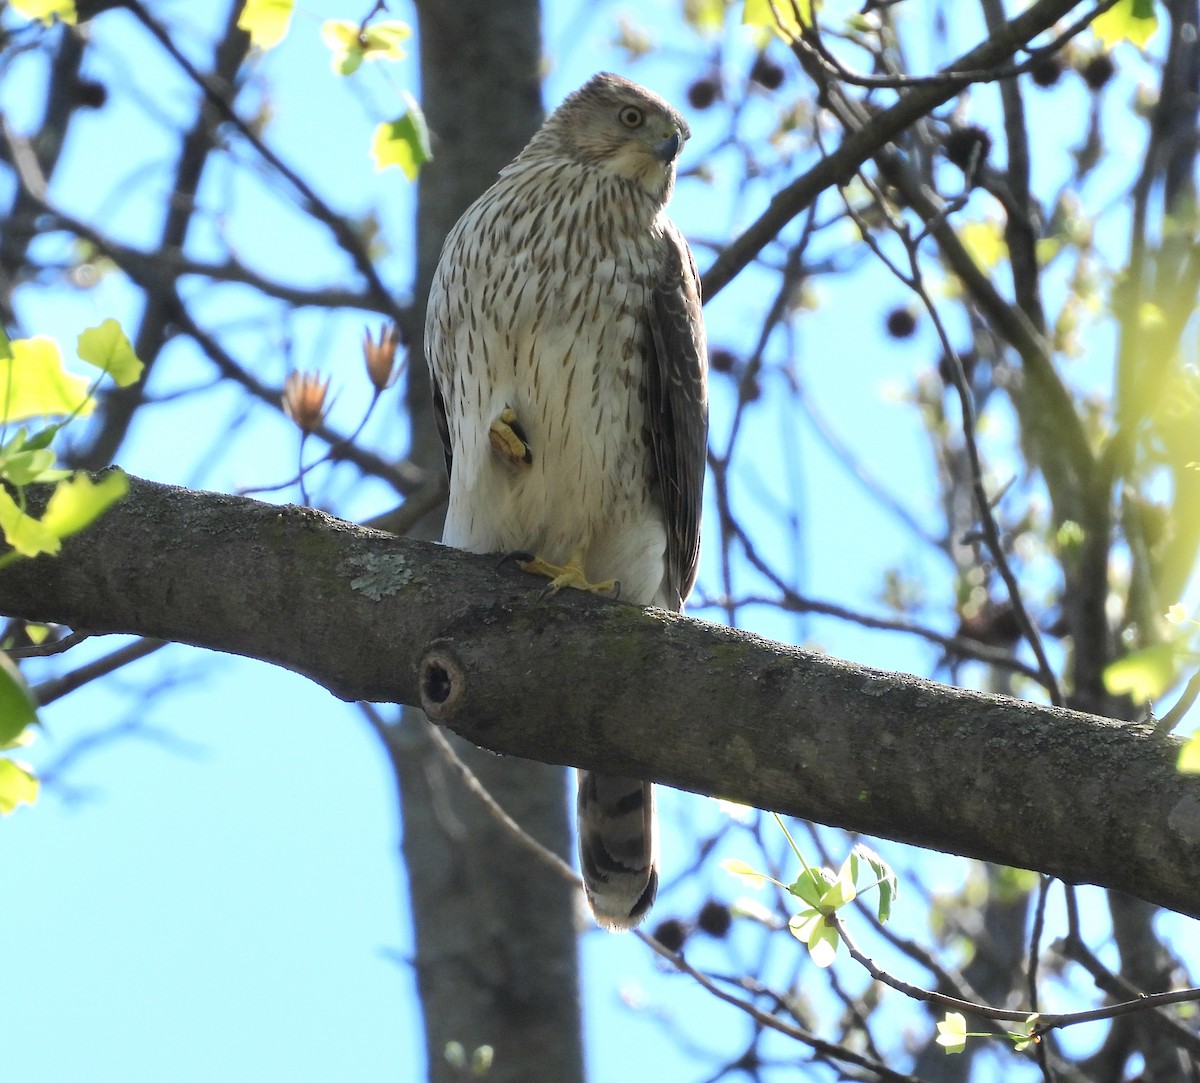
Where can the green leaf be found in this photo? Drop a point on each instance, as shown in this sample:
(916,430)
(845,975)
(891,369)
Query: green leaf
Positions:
(743,872)
(888,885)
(107,348)
(266,21)
(952,1032)
(17,707)
(33,382)
(843,889)
(1022,1038)
(821,938)
(43,438)
(382,40)
(23,532)
(1127,20)
(1070,536)
(403,142)
(1144,674)
(706,17)
(985,242)
(811,885)
(46,11)
(23,460)
(5,346)
(24,467)
(351,43)
(1189,756)
(79,501)
(759,13)
(18,786)
(22,740)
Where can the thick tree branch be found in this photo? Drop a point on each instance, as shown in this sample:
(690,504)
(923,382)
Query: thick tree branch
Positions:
(645,693)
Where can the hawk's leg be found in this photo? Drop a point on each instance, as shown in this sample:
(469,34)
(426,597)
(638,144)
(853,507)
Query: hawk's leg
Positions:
(508,439)
(570,575)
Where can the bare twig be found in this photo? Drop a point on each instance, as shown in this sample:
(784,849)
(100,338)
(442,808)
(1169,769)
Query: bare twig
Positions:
(546,856)
(1046,1021)
(1184,704)
(218,97)
(823,1048)
(884,126)
(57,687)
(45,650)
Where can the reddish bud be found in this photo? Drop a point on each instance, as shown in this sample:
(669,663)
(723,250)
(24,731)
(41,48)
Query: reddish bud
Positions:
(380,356)
(304,402)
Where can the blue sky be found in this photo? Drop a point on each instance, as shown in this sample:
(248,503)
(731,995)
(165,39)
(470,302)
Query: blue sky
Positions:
(216,892)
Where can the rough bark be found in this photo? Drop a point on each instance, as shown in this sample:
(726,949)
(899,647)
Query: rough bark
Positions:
(579,681)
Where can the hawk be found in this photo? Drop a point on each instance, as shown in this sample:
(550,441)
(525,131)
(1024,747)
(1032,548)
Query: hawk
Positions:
(567,350)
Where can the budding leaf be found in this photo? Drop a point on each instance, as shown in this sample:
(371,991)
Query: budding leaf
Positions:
(404,142)
(23,532)
(17,708)
(79,501)
(266,21)
(743,872)
(351,43)
(33,382)
(779,17)
(1143,674)
(821,938)
(18,786)
(1189,756)
(1127,20)
(107,348)
(810,886)
(952,1032)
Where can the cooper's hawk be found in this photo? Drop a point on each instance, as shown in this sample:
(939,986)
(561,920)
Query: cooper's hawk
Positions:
(567,349)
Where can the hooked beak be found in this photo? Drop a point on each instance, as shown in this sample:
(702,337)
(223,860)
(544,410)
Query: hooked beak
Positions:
(668,149)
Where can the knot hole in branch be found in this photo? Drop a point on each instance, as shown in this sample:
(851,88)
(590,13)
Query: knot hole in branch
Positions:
(443,684)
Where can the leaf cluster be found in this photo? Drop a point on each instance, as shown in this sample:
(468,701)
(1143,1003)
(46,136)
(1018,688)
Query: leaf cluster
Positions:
(37,388)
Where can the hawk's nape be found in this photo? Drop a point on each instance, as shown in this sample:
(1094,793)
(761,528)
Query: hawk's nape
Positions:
(568,357)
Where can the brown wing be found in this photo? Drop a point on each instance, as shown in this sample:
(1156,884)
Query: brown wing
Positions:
(439,419)
(678,407)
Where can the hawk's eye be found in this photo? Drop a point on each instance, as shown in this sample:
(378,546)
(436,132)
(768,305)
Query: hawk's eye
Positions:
(631,116)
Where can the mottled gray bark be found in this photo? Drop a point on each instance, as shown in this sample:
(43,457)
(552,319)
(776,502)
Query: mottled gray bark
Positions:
(603,685)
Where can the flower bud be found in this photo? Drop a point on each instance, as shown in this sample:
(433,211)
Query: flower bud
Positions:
(304,402)
(381,356)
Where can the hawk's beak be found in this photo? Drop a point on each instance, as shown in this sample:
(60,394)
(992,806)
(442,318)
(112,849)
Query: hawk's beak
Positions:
(668,149)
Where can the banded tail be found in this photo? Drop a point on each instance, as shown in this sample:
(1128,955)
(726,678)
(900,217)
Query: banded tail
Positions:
(618,850)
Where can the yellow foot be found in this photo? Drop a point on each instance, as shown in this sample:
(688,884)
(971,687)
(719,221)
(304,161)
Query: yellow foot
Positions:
(507,439)
(570,575)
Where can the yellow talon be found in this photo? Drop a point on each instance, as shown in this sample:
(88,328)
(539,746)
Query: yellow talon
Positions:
(570,575)
(507,439)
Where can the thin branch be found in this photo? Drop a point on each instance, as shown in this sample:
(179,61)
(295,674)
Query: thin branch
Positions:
(46,650)
(57,687)
(813,40)
(914,279)
(876,133)
(217,97)
(174,264)
(1046,1021)
(956,645)
(546,856)
(1184,704)
(823,1048)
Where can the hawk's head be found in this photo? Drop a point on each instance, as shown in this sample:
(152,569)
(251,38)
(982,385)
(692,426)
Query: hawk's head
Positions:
(619,126)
